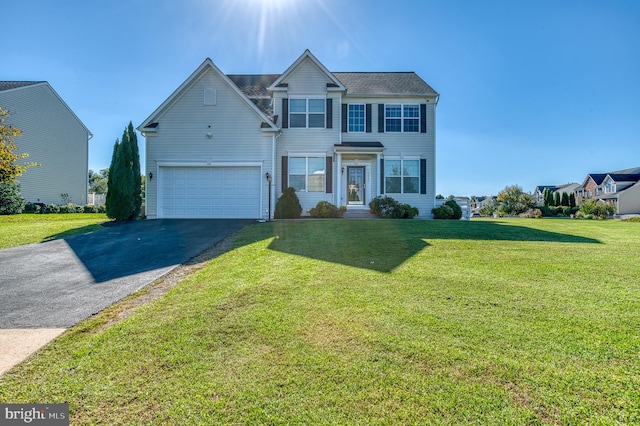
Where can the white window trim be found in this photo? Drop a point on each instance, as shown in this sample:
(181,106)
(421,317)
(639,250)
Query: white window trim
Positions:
(402,176)
(307,112)
(306,172)
(364,124)
(402,118)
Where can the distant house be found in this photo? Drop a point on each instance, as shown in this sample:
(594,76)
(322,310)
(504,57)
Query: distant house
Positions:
(52,136)
(538,194)
(621,188)
(227,146)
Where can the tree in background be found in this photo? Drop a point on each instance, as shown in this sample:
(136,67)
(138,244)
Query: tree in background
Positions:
(572,200)
(124,197)
(513,200)
(547,198)
(556,199)
(98,181)
(565,199)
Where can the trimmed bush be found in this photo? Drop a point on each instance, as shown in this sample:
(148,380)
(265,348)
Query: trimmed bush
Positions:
(325,209)
(288,205)
(53,208)
(591,208)
(442,212)
(10,200)
(449,210)
(387,207)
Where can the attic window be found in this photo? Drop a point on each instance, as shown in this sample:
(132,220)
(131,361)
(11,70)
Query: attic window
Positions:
(209,96)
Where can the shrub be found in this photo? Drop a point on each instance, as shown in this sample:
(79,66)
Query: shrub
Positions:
(10,200)
(53,208)
(32,208)
(442,212)
(449,210)
(532,214)
(90,209)
(325,209)
(595,209)
(288,205)
(387,207)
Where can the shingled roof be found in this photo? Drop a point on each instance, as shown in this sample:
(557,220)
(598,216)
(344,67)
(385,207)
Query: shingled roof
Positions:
(8,85)
(384,83)
(255,86)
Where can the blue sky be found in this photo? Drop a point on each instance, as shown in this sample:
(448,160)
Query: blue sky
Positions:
(532,92)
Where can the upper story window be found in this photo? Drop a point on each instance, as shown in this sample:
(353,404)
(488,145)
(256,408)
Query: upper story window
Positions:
(610,187)
(402,118)
(306,174)
(402,176)
(356,118)
(305,113)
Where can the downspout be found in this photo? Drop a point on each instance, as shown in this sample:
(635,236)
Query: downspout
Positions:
(273,171)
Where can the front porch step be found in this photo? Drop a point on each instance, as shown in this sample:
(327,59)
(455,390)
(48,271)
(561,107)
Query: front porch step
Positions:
(359,214)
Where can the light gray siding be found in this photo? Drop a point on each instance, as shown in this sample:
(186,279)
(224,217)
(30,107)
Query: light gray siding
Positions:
(629,200)
(401,145)
(52,136)
(183,129)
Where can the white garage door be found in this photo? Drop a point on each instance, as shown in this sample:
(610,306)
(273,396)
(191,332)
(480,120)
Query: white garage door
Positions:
(209,192)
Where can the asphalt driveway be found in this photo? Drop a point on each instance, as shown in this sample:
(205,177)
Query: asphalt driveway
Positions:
(59,283)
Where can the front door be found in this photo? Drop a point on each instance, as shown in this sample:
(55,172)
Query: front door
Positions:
(355,185)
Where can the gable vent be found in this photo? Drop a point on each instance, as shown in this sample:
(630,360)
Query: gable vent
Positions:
(209,96)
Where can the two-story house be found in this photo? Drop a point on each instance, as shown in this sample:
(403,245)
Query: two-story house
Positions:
(621,188)
(54,137)
(226,146)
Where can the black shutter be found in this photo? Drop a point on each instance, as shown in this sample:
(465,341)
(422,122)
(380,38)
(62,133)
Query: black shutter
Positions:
(329,113)
(382,175)
(328,175)
(423,176)
(380,118)
(423,118)
(368,117)
(285,172)
(344,118)
(285,113)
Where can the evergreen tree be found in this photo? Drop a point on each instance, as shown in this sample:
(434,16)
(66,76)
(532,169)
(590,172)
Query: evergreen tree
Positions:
(124,197)
(547,199)
(111,198)
(572,200)
(135,170)
(565,199)
(556,199)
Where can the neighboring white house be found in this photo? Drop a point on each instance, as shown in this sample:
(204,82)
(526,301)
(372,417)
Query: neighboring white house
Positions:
(220,144)
(52,136)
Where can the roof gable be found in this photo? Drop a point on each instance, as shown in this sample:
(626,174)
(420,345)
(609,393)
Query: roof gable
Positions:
(335,83)
(147,125)
(7,86)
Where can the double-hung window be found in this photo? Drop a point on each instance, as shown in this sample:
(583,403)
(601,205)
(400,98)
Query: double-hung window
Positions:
(306,174)
(402,176)
(305,113)
(402,118)
(356,116)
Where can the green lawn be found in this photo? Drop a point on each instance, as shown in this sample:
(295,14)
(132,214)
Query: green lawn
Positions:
(370,322)
(35,228)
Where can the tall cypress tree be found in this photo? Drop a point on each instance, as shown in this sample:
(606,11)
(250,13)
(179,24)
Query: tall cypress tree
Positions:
(124,192)
(556,199)
(135,171)
(112,190)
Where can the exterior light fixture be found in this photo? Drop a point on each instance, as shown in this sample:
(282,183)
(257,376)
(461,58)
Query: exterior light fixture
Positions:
(150,175)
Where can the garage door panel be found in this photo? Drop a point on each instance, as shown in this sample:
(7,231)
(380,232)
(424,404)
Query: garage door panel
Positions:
(210,192)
